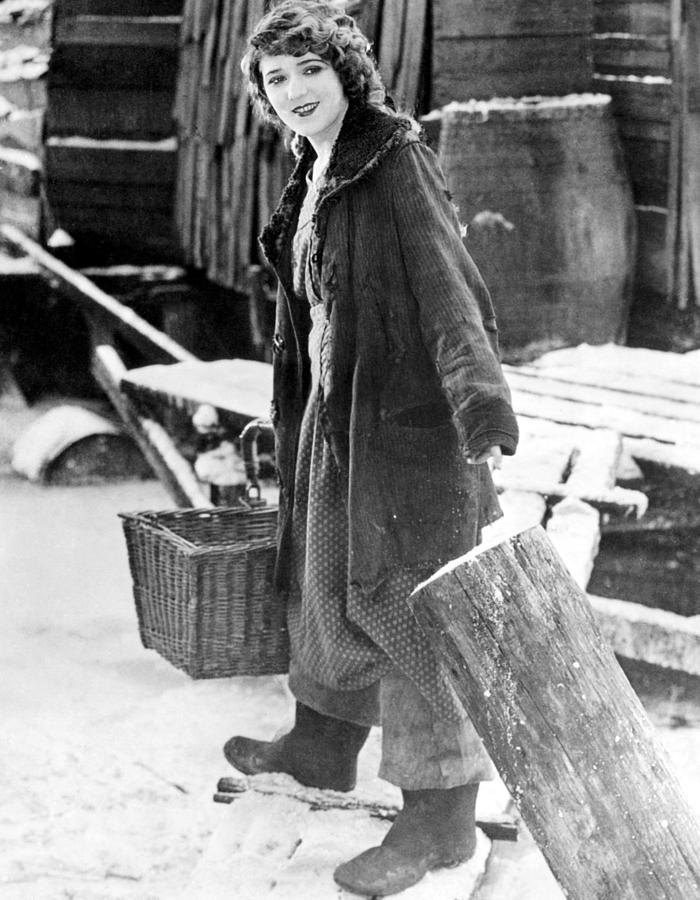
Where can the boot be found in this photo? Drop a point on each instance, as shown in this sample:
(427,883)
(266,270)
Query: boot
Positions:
(435,829)
(319,751)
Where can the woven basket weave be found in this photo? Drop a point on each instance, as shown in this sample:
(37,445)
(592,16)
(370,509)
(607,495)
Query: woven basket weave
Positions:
(203,589)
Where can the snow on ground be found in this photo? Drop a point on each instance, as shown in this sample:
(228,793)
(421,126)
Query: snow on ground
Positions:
(110,756)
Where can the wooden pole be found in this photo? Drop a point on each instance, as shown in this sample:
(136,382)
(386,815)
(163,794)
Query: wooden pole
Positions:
(566,731)
(157,446)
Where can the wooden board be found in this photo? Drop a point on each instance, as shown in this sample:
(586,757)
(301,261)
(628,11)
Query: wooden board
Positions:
(123,31)
(113,67)
(236,386)
(105,114)
(483,67)
(111,162)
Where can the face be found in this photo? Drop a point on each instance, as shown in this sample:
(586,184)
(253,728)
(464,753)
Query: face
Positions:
(306,93)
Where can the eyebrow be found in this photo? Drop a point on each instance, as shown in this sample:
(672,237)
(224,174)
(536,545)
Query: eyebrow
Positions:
(302,62)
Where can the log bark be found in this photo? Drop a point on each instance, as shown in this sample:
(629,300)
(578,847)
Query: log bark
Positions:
(567,733)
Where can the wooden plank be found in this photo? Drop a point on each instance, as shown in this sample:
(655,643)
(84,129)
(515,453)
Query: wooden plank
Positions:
(238,386)
(71,8)
(111,161)
(574,530)
(609,361)
(63,194)
(127,227)
(630,423)
(503,17)
(482,68)
(637,97)
(167,462)
(631,54)
(96,301)
(646,384)
(654,636)
(649,17)
(530,379)
(88,67)
(614,501)
(145,32)
(110,114)
(522,649)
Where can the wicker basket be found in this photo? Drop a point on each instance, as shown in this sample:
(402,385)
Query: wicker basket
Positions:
(203,589)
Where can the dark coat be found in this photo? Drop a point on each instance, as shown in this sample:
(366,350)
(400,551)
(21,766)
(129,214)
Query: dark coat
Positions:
(410,379)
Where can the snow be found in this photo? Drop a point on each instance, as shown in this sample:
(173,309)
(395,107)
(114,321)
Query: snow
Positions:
(110,757)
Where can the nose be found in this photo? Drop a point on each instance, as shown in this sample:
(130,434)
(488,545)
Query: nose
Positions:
(295,87)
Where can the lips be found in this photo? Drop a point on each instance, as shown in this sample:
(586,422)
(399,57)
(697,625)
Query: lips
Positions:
(305,110)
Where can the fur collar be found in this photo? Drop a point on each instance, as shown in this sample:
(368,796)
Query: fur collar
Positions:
(366,136)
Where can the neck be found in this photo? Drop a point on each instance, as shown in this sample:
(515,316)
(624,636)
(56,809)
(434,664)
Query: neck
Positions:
(323,143)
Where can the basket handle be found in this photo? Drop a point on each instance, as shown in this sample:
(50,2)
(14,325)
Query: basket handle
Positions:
(249,450)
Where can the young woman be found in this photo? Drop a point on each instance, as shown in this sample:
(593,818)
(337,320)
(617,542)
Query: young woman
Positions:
(389,403)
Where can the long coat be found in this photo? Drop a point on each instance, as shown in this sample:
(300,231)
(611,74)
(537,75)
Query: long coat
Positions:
(410,376)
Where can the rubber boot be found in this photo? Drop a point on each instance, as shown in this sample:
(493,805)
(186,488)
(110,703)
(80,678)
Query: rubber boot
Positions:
(319,751)
(435,829)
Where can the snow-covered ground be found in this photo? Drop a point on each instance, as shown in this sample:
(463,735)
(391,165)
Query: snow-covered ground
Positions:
(109,755)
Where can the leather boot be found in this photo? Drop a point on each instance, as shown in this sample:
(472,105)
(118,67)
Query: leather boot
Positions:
(435,829)
(319,751)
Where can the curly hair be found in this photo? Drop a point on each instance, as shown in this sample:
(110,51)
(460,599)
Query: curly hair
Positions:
(297,27)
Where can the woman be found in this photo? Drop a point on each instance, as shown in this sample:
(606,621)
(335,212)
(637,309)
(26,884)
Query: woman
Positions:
(389,402)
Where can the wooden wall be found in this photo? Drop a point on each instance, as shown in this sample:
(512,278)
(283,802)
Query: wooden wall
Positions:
(647,57)
(111,152)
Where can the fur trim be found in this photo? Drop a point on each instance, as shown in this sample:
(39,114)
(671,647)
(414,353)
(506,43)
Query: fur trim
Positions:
(366,136)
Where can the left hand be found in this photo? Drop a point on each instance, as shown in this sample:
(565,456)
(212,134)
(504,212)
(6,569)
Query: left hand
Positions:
(492,456)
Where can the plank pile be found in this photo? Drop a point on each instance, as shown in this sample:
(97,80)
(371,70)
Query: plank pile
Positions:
(110,145)
(589,416)
(647,57)
(231,169)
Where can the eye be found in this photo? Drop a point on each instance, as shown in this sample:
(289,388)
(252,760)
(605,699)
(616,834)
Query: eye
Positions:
(312,70)
(275,79)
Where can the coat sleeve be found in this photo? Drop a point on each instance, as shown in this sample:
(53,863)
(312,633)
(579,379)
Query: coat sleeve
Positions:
(456,314)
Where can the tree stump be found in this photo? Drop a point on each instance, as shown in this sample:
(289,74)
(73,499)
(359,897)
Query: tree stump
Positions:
(566,731)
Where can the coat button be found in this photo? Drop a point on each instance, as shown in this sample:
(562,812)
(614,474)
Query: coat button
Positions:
(278,344)
(314,257)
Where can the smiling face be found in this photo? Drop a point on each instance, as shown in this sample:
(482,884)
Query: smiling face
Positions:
(307,95)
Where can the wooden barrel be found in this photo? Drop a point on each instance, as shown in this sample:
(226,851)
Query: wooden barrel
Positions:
(510,48)
(543,187)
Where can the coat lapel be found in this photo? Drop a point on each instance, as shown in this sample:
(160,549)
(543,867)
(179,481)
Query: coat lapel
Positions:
(366,136)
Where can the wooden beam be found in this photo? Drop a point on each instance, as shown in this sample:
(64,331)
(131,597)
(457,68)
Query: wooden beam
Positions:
(654,636)
(97,302)
(167,462)
(570,738)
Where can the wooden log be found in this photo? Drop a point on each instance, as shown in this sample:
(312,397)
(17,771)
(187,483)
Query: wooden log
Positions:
(166,460)
(566,731)
(97,302)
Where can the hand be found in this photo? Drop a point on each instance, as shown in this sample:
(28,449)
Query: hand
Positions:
(492,456)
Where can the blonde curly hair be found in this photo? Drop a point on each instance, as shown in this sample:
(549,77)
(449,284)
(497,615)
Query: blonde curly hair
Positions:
(297,27)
